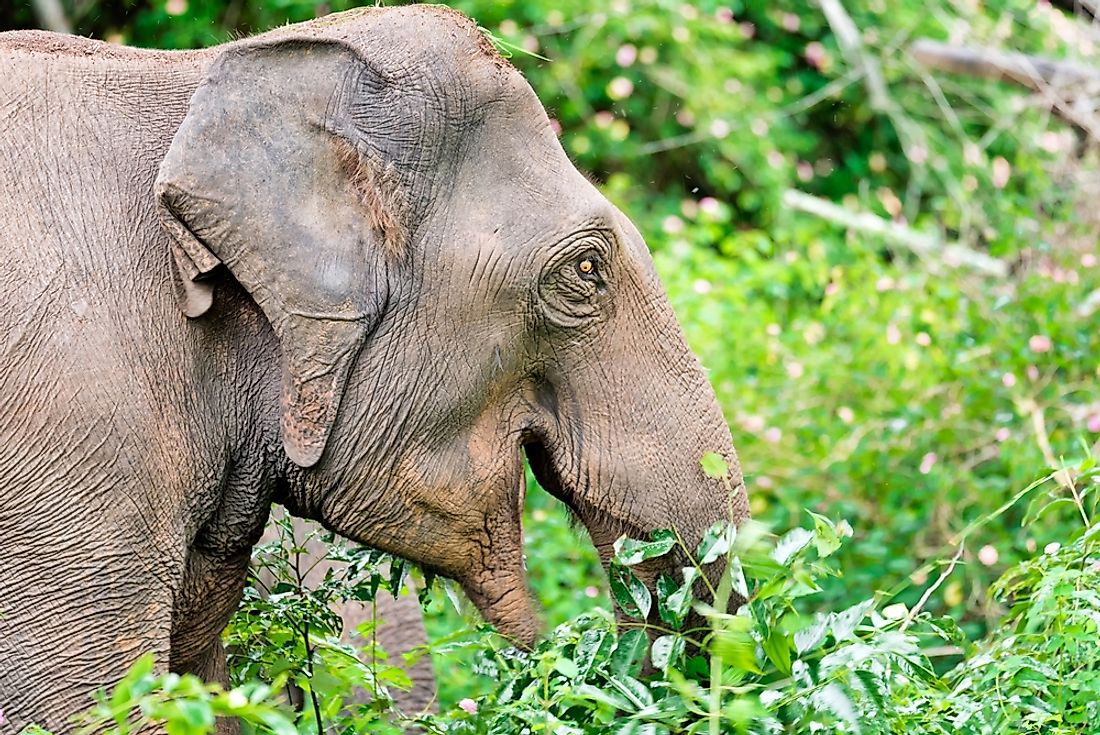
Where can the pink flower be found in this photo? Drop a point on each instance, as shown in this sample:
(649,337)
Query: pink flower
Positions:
(468,706)
(626,55)
(794,369)
(886,283)
(1051,142)
(709,205)
(927,462)
(724,15)
(1040,343)
(988,555)
(815,54)
(620,88)
(1001,171)
(791,22)
(1032,373)
(555,125)
(773,435)
(591,591)
(753,423)
(845,414)
(923,339)
(1008,380)
(893,334)
(1088,260)
(672,225)
(1002,434)
(748,30)
(773,330)
(764,482)
(1093,423)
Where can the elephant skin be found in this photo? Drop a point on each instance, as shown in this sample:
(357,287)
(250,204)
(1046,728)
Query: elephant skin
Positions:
(344,266)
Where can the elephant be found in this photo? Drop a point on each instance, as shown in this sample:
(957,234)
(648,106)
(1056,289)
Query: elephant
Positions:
(344,266)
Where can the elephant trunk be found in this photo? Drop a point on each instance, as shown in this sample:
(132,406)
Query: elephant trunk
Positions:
(634,469)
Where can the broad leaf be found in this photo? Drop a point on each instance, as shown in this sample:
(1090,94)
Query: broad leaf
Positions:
(629,592)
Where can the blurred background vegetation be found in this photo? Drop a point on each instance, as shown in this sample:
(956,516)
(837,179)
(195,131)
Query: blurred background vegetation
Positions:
(905,356)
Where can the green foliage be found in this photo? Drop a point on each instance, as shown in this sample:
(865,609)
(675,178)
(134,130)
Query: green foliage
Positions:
(290,636)
(774,666)
(184,704)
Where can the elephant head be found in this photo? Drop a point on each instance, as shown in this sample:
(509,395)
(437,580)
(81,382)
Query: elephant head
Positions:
(448,291)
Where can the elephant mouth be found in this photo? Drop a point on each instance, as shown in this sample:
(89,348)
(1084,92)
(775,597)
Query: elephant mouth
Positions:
(603,527)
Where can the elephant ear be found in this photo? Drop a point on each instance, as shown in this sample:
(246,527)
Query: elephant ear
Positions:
(257,179)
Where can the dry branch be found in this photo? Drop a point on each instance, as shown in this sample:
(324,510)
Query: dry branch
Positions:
(1037,73)
(923,244)
(1071,90)
(851,45)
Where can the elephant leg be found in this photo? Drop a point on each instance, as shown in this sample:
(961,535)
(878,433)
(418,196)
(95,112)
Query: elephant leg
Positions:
(74,620)
(211,666)
(399,630)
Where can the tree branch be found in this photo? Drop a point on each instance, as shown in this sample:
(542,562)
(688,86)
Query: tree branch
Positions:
(1070,90)
(923,244)
(1033,72)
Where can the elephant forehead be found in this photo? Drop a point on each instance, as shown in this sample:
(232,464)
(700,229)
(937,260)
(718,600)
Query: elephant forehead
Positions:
(425,45)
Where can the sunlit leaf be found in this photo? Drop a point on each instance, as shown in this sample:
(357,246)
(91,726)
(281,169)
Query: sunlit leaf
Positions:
(629,592)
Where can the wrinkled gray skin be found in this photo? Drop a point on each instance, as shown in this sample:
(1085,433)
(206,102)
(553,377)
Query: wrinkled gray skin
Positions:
(398,629)
(345,266)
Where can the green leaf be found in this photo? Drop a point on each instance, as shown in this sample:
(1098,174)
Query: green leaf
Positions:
(398,569)
(871,685)
(196,713)
(825,535)
(630,551)
(792,542)
(777,647)
(629,592)
(566,667)
(627,657)
(632,689)
(811,636)
(843,624)
(611,698)
(733,642)
(714,466)
(673,603)
(594,645)
(717,541)
(666,651)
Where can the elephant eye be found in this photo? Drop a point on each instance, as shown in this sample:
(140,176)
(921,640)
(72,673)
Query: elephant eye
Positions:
(588,268)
